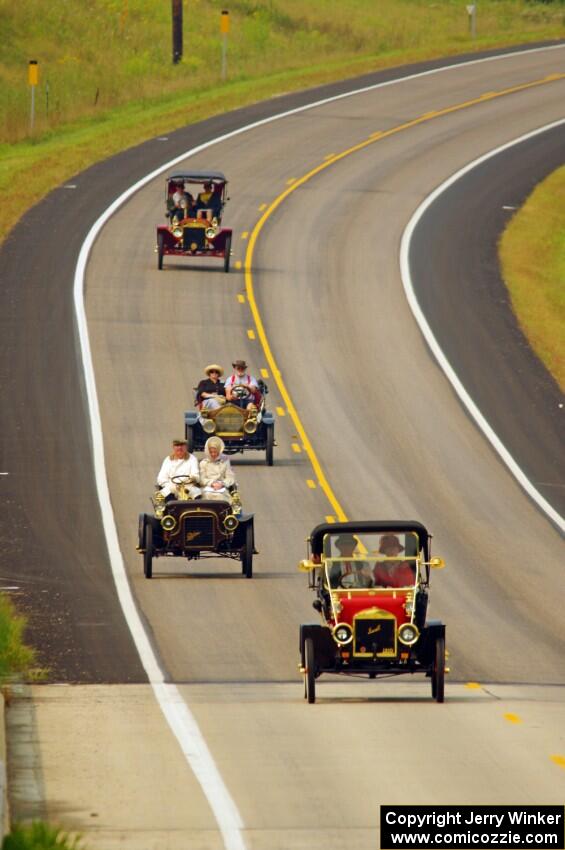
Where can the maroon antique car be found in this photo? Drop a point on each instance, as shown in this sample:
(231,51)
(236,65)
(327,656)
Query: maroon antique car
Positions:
(195,202)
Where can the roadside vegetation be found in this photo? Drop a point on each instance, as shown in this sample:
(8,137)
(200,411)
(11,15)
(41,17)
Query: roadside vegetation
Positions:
(16,659)
(532,254)
(39,836)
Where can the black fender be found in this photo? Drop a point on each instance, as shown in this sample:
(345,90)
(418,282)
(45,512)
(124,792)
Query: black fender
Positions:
(425,648)
(325,647)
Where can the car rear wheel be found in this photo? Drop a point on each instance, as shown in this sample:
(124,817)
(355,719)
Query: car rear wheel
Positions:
(438,670)
(160,250)
(227,254)
(189,437)
(310,676)
(247,553)
(270,445)
(148,554)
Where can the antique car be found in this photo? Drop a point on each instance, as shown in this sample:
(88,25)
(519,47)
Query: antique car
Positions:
(240,429)
(196,528)
(194,227)
(371,581)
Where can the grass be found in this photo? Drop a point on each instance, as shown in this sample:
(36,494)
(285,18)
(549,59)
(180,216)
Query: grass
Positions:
(39,836)
(16,659)
(532,255)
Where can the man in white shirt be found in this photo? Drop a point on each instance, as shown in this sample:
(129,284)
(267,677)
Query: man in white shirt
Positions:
(248,395)
(179,463)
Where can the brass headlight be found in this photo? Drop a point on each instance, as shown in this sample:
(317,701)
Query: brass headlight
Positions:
(169,523)
(231,522)
(342,633)
(210,232)
(408,634)
(250,426)
(209,426)
(177,231)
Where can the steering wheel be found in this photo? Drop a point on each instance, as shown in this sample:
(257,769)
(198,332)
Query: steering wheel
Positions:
(240,392)
(182,479)
(347,580)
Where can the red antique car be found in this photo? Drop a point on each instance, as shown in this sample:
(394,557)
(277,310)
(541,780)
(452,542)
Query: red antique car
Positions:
(371,580)
(195,202)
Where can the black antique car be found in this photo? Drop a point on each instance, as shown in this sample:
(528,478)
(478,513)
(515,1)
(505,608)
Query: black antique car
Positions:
(196,528)
(371,581)
(194,227)
(240,429)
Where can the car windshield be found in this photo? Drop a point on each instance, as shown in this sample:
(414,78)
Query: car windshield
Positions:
(363,560)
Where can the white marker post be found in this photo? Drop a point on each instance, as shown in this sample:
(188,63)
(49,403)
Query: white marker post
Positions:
(224,29)
(472,12)
(33,79)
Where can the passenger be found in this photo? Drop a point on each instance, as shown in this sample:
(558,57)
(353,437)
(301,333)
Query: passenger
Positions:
(210,392)
(393,573)
(252,396)
(179,462)
(208,199)
(346,545)
(216,475)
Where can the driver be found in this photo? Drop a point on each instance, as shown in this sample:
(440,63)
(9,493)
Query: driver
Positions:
(183,203)
(393,572)
(248,394)
(179,462)
(358,571)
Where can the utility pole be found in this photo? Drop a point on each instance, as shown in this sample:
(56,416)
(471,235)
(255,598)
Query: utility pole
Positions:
(177,31)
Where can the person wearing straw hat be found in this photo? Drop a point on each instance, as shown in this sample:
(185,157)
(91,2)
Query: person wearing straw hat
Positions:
(210,392)
(392,571)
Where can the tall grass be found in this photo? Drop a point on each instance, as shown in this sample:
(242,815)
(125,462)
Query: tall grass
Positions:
(97,56)
(39,836)
(15,657)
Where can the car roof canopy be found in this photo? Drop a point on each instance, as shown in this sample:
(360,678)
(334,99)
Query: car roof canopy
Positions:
(367,527)
(199,176)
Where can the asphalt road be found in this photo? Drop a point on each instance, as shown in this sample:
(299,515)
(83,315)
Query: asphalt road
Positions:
(391,438)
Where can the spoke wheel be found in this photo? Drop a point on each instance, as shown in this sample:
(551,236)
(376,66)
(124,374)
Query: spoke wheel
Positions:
(309,676)
(247,553)
(148,554)
(227,254)
(160,246)
(270,444)
(438,670)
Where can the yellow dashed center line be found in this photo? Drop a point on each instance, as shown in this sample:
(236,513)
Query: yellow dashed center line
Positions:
(512,718)
(238,264)
(311,484)
(251,333)
(330,518)
(281,411)
(296,448)
(292,185)
(559,760)
(264,373)
(262,207)
(241,298)
(245,234)
(473,686)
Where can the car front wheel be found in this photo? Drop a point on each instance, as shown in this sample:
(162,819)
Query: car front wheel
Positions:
(148,554)
(247,553)
(438,670)
(310,675)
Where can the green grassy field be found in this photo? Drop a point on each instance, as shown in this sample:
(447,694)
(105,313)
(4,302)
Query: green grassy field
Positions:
(532,253)
(107,81)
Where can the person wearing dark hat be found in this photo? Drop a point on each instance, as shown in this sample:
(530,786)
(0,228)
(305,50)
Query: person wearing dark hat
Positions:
(179,462)
(349,573)
(210,392)
(392,571)
(248,394)
(183,203)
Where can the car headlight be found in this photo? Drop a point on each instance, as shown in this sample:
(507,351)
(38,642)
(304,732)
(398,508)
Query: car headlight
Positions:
(169,523)
(231,522)
(250,426)
(210,232)
(209,426)
(342,633)
(408,634)
(177,231)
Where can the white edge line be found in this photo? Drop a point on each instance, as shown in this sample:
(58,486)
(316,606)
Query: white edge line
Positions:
(177,713)
(432,342)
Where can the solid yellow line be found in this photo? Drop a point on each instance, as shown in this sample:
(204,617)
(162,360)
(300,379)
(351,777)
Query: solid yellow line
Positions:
(262,207)
(560,760)
(292,185)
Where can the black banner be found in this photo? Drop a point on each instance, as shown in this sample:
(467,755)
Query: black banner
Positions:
(479,827)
